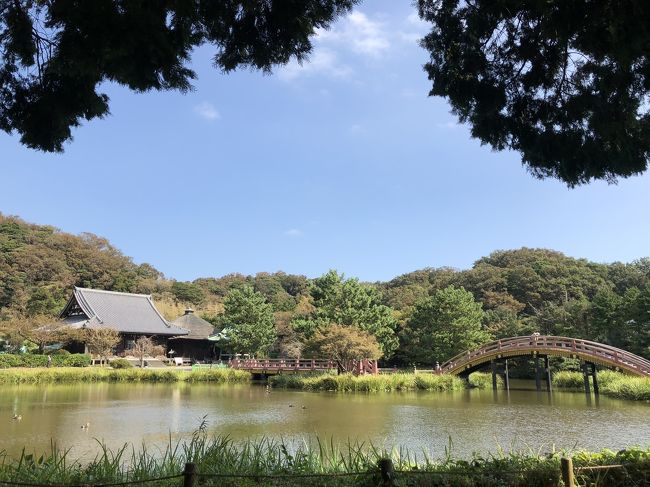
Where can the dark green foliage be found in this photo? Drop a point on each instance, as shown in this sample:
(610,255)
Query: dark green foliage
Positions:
(248,322)
(347,302)
(447,323)
(58,360)
(120,363)
(187,292)
(565,83)
(39,265)
(54,55)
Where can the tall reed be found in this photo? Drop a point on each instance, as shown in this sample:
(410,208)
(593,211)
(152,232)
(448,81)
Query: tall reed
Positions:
(270,457)
(369,383)
(97,374)
(614,384)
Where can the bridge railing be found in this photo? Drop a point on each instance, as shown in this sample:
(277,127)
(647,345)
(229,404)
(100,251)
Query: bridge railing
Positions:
(282,364)
(546,343)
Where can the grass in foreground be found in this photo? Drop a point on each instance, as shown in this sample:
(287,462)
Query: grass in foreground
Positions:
(267,457)
(379,383)
(614,384)
(97,374)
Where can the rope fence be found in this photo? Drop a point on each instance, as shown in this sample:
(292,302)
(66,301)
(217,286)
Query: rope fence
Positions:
(384,476)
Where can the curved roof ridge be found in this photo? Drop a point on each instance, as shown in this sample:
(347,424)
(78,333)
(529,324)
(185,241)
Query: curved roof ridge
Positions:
(150,300)
(112,292)
(84,304)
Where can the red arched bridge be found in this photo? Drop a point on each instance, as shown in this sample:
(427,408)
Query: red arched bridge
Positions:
(592,352)
(589,353)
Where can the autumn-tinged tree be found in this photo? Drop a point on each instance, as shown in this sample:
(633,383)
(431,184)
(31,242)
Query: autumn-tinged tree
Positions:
(37,330)
(145,347)
(347,302)
(101,342)
(342,343)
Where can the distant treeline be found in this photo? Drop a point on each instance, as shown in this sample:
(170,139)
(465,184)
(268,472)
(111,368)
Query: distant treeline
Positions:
(416,318)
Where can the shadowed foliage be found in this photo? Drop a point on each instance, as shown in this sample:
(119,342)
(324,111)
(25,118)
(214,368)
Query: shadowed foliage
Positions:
(565,83)
(55,54)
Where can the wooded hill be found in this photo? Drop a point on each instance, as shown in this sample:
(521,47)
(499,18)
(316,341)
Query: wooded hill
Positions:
(417,317)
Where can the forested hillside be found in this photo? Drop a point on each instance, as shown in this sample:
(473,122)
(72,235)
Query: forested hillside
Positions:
(418,317)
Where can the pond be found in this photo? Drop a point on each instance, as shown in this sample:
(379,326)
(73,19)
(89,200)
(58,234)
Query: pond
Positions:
(474,421)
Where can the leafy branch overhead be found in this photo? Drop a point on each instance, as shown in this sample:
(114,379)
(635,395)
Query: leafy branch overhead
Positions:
(55,54)
(565,84)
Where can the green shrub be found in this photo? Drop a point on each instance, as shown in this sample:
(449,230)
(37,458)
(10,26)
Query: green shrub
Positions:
(611,383)
(369,383)
(8,360)
(568,380)
(60,351)
(121,363)
(100,374)
(32,360)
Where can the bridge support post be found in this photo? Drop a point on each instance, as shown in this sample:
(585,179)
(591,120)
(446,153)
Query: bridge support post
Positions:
(595,378)
(493,365)
(506,376)
(585,374)
(547,366)
(538,374)
(589,369)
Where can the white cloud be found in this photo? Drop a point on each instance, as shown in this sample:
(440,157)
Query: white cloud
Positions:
(323,61)
(367,36)
(294,232)
(416,28)
(356,34)
(449,125)
(207,111)
(414,18)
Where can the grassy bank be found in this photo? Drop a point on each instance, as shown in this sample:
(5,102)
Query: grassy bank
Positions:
(378,383)
(273,462)
(98,374)
(611,383)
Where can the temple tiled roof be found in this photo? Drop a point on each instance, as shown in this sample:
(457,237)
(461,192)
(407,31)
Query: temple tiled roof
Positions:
(124,312)
(199,328)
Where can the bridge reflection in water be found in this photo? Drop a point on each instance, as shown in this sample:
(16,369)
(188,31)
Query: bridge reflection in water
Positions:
(541,347)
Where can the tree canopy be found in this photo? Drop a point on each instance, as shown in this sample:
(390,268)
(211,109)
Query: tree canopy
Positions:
(520,291)
(343,343)
(347,302)
(566,84)
(443,325)
(56,54)
(249,322)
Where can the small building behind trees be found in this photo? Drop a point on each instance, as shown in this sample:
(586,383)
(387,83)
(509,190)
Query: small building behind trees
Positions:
(196,345)
(131,315)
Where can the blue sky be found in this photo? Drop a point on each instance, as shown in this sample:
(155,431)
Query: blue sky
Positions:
(341,163)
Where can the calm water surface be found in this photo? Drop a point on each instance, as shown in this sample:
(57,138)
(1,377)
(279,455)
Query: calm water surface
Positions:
(474,420)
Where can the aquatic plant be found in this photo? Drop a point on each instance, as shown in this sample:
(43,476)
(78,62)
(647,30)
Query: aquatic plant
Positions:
(614,384)
(276,462)
(369,383)
(96,374)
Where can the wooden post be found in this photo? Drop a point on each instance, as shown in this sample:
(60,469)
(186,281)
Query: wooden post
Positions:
(494,375)
(506,376)
(585,373)
(386,471)
(566,465)
(547,366)
(538,374)
(190,475)
(595,378)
